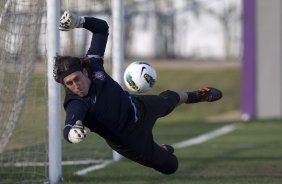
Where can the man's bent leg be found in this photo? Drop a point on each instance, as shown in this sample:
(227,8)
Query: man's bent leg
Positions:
(143,150)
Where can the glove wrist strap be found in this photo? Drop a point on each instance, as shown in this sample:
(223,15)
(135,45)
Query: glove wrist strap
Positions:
(81,21)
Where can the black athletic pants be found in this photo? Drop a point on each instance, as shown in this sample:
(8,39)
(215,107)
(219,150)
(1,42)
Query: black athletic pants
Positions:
(138,143)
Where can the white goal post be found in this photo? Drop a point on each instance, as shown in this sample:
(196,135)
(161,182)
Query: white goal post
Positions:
(54,93)
(118,46)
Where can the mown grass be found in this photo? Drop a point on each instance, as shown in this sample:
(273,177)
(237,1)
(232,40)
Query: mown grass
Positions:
(251,154)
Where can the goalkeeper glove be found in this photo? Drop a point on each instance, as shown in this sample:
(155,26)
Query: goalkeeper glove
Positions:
(70,21)
(77,132)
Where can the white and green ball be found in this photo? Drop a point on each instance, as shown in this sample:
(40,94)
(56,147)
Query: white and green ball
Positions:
(139,77)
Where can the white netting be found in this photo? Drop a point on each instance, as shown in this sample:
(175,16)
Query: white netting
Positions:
(23,121)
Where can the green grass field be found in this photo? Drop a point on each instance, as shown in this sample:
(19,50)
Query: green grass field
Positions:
(251,154)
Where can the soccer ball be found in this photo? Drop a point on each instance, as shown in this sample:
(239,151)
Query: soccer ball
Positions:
(139,77)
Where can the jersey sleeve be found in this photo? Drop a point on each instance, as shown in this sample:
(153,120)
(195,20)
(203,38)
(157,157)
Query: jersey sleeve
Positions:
(76,110)
(100,30)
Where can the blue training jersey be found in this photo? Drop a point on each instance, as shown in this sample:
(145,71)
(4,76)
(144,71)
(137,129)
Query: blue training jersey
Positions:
(107,110)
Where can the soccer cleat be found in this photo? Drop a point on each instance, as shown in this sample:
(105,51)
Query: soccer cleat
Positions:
(168,148)
(207,94)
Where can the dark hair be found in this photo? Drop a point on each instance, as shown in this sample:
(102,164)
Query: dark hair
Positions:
(65,65)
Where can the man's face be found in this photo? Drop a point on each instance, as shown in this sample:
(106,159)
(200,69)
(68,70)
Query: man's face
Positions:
(78,82)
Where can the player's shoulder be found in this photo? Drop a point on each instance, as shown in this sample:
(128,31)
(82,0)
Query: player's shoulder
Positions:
(97,70)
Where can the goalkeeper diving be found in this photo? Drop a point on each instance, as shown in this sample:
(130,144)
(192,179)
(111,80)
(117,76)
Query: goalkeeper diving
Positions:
(94,100)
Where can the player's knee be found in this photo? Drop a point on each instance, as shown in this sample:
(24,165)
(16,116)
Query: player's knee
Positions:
(169,167)
(170,170)
(171,98)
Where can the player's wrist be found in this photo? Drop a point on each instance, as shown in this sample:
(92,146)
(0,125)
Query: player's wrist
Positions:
(80,22)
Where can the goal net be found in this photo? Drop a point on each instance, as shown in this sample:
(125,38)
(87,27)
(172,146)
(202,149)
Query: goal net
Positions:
(23,119)
(23,98)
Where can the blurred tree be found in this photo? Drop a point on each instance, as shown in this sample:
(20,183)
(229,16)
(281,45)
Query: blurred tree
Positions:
(163,13)
(229,17)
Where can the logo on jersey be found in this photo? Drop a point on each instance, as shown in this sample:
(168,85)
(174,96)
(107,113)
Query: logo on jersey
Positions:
(99,75)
